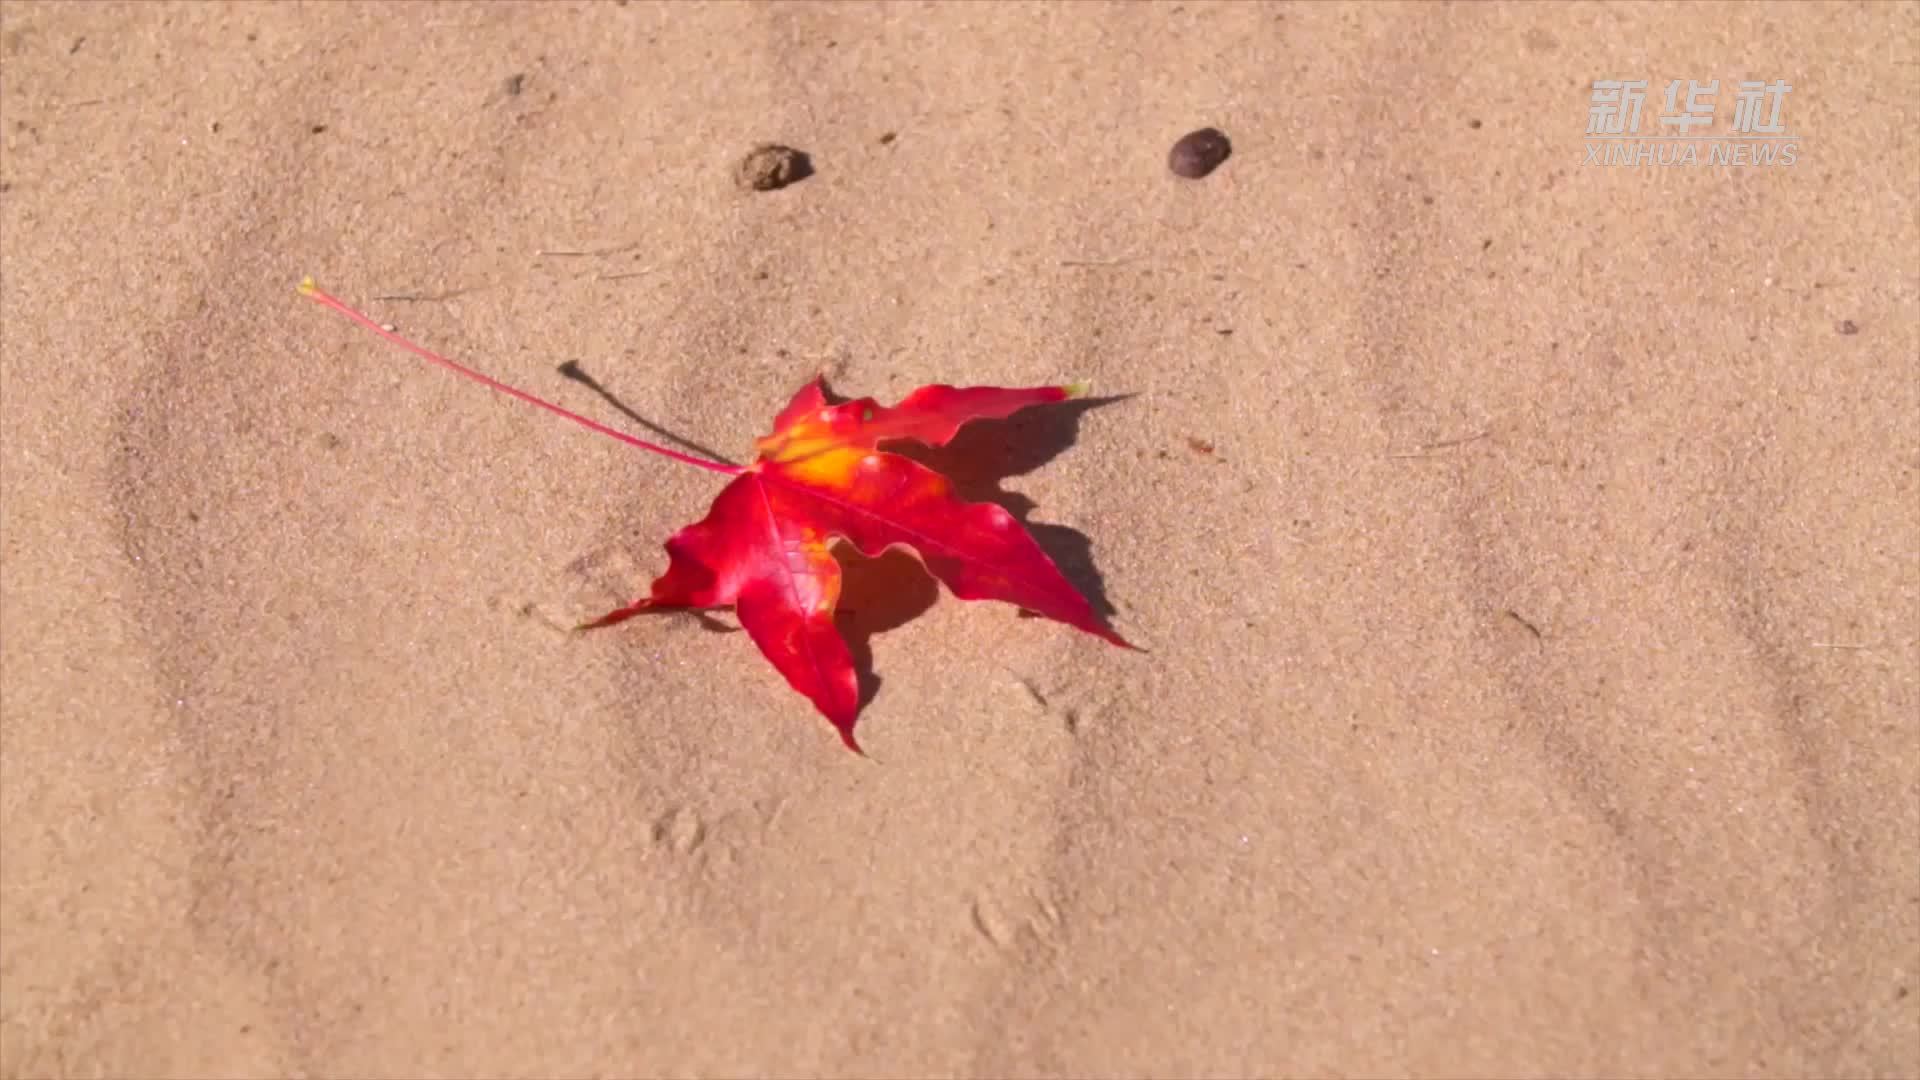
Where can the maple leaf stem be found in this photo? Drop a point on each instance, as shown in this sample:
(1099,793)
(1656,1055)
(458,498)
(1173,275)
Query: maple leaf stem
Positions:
(309,289)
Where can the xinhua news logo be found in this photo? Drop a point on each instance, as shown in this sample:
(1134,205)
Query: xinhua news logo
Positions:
(1755,138)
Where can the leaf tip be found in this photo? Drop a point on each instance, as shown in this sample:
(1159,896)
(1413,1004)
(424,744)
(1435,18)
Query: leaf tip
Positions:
(846,736)
(307,287)
(1078,389)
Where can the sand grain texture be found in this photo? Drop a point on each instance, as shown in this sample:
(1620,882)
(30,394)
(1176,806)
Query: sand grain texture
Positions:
(1488,725)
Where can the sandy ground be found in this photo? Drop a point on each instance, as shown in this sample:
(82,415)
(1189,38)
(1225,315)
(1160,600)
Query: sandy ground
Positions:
(1533,662)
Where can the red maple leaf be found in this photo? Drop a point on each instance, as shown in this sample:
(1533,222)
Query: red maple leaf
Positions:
(765,546)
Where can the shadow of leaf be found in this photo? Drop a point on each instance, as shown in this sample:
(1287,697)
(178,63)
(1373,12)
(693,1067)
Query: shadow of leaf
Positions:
(987,452)
(878,595)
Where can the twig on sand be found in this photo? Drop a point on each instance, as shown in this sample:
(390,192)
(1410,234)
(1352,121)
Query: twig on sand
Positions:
(1100,262)
(1445,444)
(584,253)
(1525,622)
(429,298)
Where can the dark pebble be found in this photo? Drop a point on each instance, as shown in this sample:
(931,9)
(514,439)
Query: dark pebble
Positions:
(1198,153)
(769,167)
(1848,326)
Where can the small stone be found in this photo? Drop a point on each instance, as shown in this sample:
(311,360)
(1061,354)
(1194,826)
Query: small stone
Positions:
(515,84)
(1198,153)
(770,166)
(1847,326)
